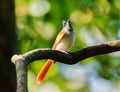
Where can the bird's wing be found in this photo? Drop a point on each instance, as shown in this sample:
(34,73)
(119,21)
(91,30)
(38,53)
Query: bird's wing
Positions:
(58,39)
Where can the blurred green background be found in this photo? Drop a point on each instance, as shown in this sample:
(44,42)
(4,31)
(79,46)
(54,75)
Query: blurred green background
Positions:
(94,22)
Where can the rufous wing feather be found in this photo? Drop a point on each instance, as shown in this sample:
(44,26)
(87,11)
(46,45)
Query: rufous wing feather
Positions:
(58,39)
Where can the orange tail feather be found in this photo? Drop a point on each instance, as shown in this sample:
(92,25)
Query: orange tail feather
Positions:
(44,71)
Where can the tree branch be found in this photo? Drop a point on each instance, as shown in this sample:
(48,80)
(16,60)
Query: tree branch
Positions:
(21,61)
(70,58)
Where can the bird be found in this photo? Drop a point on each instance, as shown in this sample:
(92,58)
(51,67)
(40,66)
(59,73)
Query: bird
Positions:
(64,41)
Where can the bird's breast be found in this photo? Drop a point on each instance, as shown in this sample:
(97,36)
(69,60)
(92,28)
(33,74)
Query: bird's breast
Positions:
(66,43)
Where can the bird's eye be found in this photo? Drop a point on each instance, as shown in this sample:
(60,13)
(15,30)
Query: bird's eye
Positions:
(64,22)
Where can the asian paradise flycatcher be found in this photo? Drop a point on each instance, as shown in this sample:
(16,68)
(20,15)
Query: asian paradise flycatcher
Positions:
(64,41)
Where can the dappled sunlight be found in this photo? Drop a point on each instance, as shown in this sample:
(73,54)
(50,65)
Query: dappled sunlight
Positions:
(80,17)
(98,35)
(87,36)
(38,8)
(78,75)
(117,87)
(91,35)
(50,87)
(80,71)
(75,84)
(94,22)
(117,4)
(101,85)
(22,8)
(104,6)
(46,30)
(45,87)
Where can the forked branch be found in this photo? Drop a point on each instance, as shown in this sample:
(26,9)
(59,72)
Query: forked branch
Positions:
(22,61)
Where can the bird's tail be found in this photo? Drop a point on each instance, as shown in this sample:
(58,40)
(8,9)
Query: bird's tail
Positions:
(44,70)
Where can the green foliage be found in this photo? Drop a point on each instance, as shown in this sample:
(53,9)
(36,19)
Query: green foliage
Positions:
(94,21)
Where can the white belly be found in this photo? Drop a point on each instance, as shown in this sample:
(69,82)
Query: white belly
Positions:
(66,43)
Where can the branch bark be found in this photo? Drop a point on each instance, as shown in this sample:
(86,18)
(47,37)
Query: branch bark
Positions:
(22,61)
